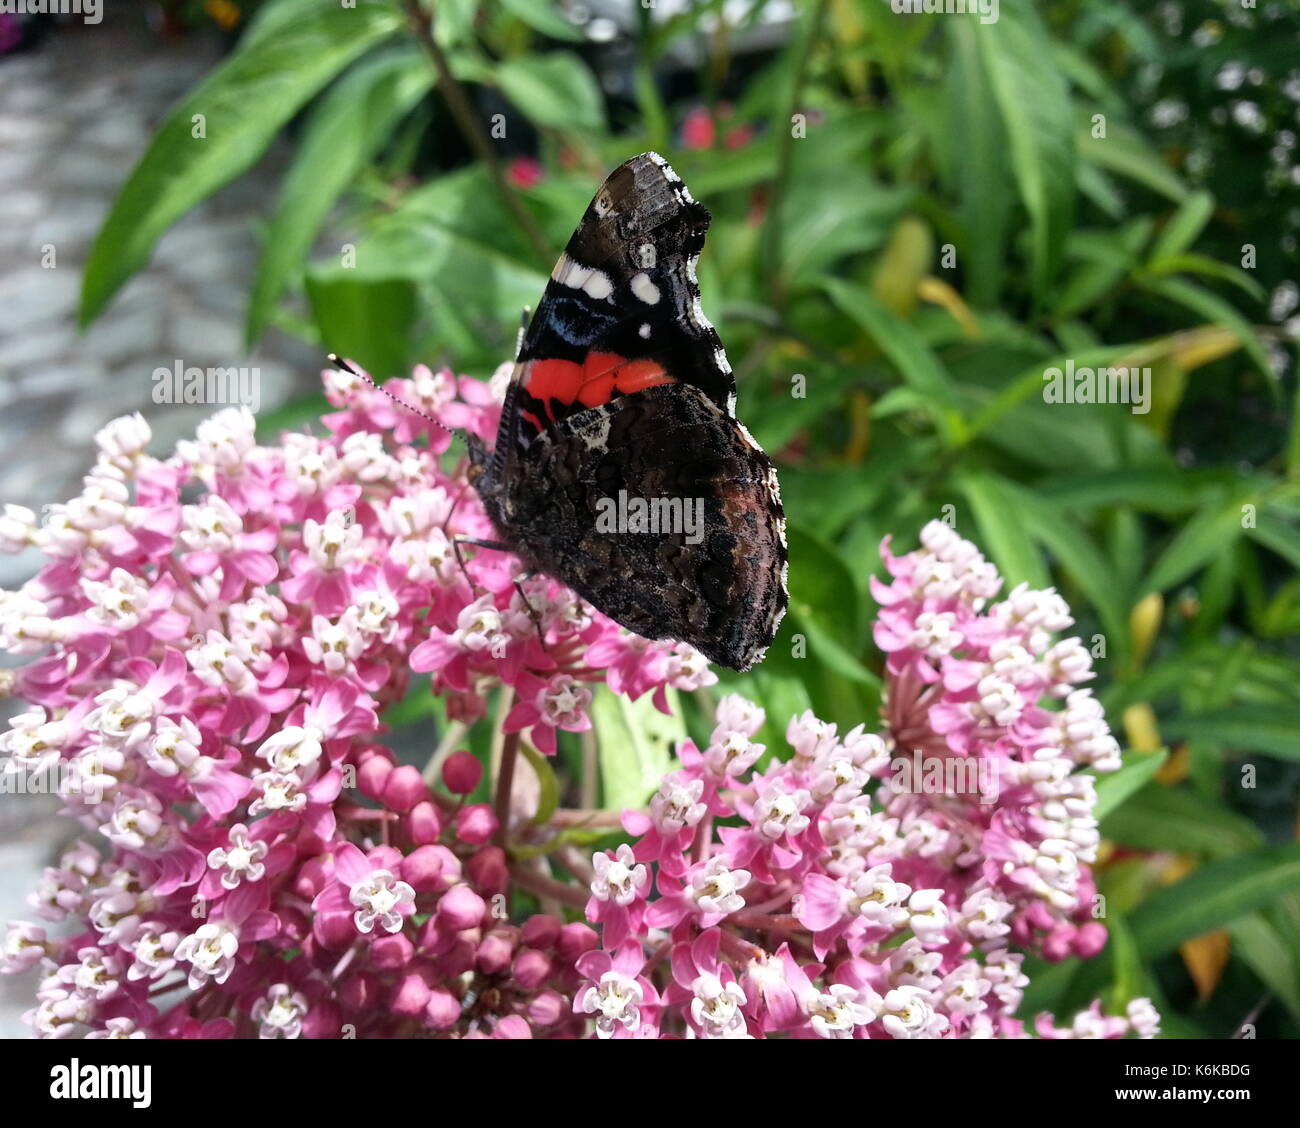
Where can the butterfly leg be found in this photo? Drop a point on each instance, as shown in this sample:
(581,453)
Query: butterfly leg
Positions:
(532,611)
(460,539)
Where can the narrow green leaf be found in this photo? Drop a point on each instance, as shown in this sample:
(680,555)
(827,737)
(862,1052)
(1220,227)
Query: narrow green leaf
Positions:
(1273,730)
(1128,154)
(1002,529)
(1212,897)
(1033,101)
(1205,537)
(1184,226)
(1167,818)
(549,789)
(1214,309)
(243,103)
(905,350)
(344,132)
(1115,788)
(370,320)
(1271,955)
(1274,532)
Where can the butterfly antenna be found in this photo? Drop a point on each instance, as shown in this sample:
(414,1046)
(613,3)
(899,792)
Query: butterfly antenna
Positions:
(339,362)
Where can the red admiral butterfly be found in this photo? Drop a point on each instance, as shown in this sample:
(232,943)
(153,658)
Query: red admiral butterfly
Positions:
(620,468)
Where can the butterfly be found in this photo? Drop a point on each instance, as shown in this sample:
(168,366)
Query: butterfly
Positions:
(620,468)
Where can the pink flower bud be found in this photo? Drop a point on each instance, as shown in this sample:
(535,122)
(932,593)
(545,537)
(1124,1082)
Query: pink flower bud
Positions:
(512,1026)
(335,929)
(496,951)
(373,773)
(547,1009)
(391,952)
(460,958)
(404,788)
(322,1020)
(461,772)
(460,908)
(313,875)
(1090,939)
(442,1010)
(358,992)
(1059,943)
(575,939)
(488,871)
(532,968)
(476,825)
(424,823)
(541,931)
(422,868)
(410,994)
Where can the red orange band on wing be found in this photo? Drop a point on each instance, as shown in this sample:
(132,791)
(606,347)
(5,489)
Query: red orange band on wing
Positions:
(593,382)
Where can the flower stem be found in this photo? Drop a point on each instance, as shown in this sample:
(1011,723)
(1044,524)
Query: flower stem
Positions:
(462,110)
(505,782)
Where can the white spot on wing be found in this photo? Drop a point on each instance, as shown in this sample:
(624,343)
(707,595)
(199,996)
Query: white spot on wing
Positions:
(645,330)
(646,256)
(644,289)
(598,285)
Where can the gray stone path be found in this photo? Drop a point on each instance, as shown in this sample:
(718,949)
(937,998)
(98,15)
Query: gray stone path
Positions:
(75,115)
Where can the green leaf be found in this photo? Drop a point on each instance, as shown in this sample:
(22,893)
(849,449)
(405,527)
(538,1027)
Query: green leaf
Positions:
(979,166)
(1166,818)
(1212,897)
(1079,557)
(1129,154)
(1033,101)
(904,349)
(1271,955)
(1115,788)
(1003,531)
(1028,384)
(549,789)
(1189,263)
(244,102)
(543,16)
(1273,730)
(556,91)
(1214,309)
(368,320)
(636,745)
(1275,533)
(343,133)
(1205,537)
(1184,226)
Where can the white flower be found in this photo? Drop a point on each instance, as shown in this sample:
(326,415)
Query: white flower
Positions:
(377,899)
(616,1001)
(279,1012)
(210,952)
(620,879)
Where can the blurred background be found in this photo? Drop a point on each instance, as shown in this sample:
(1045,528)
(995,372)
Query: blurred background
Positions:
(915,217)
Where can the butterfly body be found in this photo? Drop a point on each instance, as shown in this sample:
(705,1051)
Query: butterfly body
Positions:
(619,467)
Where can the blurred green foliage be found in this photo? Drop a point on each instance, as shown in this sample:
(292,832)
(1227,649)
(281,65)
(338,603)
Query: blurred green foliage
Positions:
(914,217)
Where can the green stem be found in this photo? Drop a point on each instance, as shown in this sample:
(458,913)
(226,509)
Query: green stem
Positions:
(462,109)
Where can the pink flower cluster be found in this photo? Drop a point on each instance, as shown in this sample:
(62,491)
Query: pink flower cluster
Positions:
(212,646)
(877,886)
(212,642)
